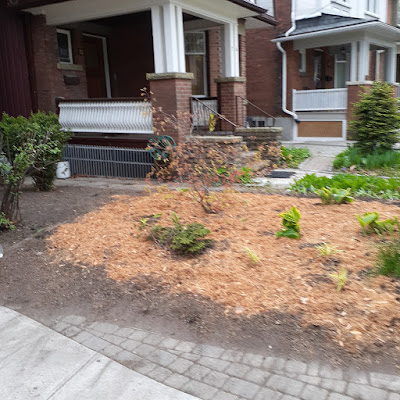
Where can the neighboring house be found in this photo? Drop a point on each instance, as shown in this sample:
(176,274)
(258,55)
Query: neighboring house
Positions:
(310,67)
(89,59)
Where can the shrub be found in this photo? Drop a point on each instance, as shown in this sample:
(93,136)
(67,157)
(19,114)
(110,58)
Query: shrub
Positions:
(377,159)
(388,258)
(183,239)
(334,195)
(376,119)
(370,223)
(370,186)
(5,224)
(26,146)
(293,156)
(290,222)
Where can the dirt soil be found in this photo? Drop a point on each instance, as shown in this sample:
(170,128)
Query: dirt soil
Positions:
(79,250)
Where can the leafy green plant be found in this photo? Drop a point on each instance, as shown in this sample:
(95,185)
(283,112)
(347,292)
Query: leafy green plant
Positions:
(376,119)
(290,222)
(388,258)
(245,176)
(183,239)
(370,223)
(293,156)
(359,185)
(378,159)
(327,250)
(252,255)
(334,195)
(340,279)
(5,224)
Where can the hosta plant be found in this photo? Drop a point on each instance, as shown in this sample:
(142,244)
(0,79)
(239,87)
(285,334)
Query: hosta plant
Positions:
(290,222)
(370,223)
(334,195)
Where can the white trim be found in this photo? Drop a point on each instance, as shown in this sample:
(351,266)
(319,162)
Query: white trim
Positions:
(105,60)
(70,53)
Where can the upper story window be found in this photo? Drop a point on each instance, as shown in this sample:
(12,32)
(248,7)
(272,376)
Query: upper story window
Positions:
(64,46)
(372,6)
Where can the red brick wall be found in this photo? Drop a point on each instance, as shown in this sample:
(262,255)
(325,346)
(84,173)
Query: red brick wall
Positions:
(50,80)
(229,106)
(214,59)
(173,96)
(129,64)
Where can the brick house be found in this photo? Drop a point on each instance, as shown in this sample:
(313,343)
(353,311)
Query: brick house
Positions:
(89,59)
(311,65)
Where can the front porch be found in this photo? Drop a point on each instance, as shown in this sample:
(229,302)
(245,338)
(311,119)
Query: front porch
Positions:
(189,57)
(330,60)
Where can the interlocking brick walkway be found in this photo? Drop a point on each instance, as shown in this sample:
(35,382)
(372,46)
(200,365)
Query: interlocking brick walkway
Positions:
(210,372)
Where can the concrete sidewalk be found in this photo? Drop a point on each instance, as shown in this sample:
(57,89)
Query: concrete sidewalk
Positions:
(39,363)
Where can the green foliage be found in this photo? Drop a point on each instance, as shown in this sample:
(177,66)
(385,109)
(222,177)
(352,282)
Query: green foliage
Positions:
(340,279)
(376,119)
(376,160)
(334,195)
(370,186)
(183,239)
(245,176)
(290,222)
(5,224)
(388,258)
(293,156)
(26,146)
(326,250)
(252,255)
(370,223)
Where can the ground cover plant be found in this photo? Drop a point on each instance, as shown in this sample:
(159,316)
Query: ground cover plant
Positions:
(290,277)
(290,222)
(293,156)
(370,223)
(378,159)
(370,186)
(334,196)
(388,257)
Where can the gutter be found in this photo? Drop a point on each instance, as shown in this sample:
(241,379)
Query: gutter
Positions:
(284,67)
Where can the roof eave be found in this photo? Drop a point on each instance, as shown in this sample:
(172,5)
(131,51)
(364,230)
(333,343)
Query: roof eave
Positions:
(249,6)
(329,31)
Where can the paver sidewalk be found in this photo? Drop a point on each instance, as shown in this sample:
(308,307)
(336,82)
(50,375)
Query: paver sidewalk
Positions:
(39,363)
(215,373)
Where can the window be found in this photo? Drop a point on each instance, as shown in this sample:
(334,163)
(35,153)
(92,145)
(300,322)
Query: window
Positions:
(195,54)
(64,46)
(371,6)
(302,61)
(342,70)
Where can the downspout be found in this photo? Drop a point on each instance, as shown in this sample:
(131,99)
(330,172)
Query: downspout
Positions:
(284,66)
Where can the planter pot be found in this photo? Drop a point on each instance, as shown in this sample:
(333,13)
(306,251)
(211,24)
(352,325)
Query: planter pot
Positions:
(63,170)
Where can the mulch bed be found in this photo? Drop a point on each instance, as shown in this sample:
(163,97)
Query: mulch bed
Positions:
(291,277)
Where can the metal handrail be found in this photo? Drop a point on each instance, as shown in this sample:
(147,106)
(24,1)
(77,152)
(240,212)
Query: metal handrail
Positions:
(257,108)
(216,113)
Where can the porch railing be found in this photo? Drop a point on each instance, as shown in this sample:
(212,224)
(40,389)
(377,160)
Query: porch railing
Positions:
(320,100)
(106,115)
(202,108)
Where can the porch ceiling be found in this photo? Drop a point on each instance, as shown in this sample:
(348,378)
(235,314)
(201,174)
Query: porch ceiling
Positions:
(60,12)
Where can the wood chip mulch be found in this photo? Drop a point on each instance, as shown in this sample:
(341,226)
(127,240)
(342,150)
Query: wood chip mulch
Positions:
(291,276)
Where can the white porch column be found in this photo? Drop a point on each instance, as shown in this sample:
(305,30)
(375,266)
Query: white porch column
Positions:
(168,38)
(231,50)
(390,64)
(363,61)
(353,61)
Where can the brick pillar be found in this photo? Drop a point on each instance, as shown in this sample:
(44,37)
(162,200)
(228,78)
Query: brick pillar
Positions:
(230,106)
(354,91)
(171,94)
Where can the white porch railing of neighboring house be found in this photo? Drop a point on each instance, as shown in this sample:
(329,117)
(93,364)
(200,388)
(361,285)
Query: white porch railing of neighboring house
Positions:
(320,100)
(202,110)
(106,116)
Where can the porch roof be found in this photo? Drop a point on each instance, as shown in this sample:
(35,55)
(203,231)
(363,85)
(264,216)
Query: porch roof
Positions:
(327,24)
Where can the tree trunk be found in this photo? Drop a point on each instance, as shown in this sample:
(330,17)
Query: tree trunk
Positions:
(10,202)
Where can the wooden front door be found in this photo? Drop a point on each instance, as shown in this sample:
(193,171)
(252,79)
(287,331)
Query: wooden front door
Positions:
(95,69)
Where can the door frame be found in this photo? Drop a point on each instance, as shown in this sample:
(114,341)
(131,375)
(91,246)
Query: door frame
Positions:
(105,60)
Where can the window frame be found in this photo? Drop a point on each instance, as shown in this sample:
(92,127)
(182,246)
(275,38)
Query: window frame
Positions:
(69,41)
(302,61)
(374,8)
